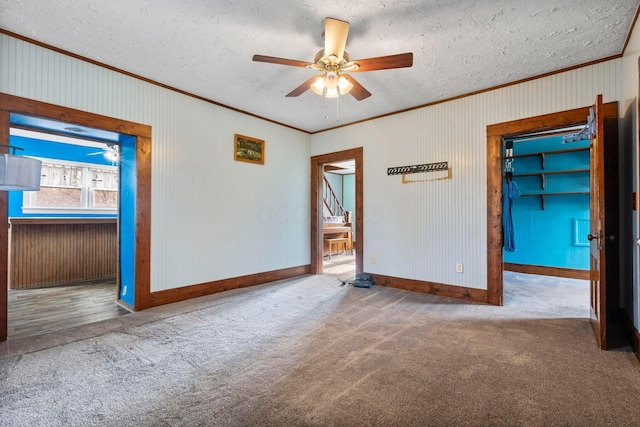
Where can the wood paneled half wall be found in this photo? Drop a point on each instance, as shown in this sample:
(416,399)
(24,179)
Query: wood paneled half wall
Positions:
(45,252)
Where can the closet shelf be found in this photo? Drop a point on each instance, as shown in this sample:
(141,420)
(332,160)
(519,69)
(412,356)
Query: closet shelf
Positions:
(542,173)
(559,193)
(552,172)
(542,153)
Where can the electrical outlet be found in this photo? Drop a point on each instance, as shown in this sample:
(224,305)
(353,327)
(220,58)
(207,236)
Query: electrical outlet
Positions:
(458,268)
(372,259)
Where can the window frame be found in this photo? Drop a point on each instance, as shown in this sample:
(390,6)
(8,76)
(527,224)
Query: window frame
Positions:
(86,191)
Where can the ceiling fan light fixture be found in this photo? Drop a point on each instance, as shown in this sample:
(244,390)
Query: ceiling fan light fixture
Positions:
(331,80)
(113,153)
(318,85)
(19,173)
(344,86)
(332,93)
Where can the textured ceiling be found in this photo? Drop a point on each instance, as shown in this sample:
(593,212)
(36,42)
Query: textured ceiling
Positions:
(205,46)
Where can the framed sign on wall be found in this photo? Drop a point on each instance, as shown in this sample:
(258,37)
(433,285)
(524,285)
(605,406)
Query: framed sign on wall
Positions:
(248,149)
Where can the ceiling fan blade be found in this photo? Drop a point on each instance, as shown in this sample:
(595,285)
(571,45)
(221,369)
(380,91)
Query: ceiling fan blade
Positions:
(302,88)
(335,37)
(282,61)
(357,91)
(401,60)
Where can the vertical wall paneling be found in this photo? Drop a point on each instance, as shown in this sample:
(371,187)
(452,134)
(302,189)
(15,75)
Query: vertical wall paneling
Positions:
(629,129)
(213,217)
(422,230)
(53,252)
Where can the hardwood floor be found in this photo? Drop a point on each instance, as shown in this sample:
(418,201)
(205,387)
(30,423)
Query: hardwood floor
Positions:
(342,266)
(43,310)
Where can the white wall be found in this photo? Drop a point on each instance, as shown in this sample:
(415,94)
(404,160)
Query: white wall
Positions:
(629,135)
(212,217)
(420,231)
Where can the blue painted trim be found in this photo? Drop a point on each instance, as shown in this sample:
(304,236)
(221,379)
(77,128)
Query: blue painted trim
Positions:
(128,186)
(580,232)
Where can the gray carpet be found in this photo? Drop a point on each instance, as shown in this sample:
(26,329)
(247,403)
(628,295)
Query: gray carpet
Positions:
(309,352)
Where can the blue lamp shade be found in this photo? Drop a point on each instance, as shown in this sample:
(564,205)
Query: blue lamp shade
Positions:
(19,173)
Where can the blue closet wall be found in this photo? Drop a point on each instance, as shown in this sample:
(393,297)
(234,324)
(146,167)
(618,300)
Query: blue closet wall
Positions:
(556,235)
(52,150)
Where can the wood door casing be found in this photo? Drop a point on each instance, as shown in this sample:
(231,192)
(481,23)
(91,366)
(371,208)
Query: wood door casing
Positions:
(317,179)
(495,135)
(15,104)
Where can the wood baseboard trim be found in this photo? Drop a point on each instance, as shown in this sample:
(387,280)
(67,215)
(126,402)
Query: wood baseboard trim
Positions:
(632,334)
(439,289)
(569,273)
(194,291)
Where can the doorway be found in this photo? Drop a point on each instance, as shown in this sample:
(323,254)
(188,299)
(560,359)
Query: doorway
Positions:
(339,193)
(548,220)
(496,134)
(546,250)
(318,206)
(63,264)
(606,115)
(135,227)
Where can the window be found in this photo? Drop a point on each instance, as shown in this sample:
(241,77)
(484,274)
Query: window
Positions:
(71,188)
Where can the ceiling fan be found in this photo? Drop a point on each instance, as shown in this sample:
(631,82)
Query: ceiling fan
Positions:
(111,152)
(333,61)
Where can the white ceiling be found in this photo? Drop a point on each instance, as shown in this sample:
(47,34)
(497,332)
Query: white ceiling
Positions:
(205,47)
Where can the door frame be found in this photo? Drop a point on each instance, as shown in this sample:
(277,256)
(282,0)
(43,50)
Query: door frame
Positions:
(495,135)
(13,104)
(317,171)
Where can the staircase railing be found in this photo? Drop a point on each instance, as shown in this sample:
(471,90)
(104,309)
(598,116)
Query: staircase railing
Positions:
(331,200)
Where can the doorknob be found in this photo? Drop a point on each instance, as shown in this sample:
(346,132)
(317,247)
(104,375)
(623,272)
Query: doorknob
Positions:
(601,238)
